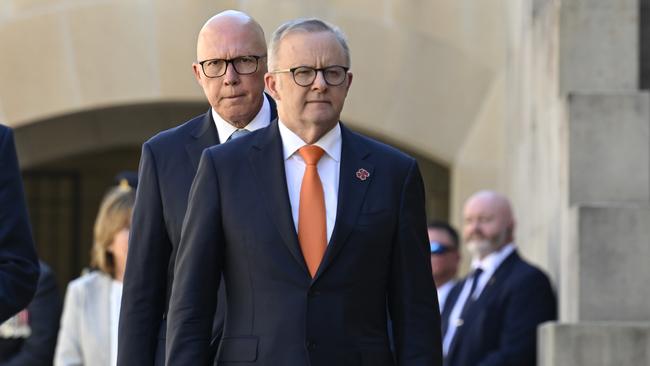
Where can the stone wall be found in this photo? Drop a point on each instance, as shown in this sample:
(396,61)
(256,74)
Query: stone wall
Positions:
(597,161)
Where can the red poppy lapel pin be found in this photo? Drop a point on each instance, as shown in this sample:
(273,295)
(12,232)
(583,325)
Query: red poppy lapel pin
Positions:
(362,174)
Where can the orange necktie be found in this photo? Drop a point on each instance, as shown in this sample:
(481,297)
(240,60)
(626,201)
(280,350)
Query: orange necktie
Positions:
(312,226)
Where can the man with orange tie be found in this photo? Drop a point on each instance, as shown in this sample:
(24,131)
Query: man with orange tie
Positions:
(314,229)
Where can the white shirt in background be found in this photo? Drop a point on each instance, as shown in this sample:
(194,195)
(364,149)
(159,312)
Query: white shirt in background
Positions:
(116,301)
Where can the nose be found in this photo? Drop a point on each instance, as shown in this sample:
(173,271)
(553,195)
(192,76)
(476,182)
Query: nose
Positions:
(473,227)
(319,82)
(231,77)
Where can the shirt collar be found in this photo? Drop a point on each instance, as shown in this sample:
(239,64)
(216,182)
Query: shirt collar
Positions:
(330,142)
(225,129)
(447,285)
(492,261)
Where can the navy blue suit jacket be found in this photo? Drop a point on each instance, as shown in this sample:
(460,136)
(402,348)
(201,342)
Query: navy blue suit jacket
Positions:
(18,263)
(239,229)
(500,327)
(167,166)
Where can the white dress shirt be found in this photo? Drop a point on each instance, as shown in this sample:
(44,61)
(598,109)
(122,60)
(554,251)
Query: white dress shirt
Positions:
(116,302)
(329,168)
(489,265)
(261,120)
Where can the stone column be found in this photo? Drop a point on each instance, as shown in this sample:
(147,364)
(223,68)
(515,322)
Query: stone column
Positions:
(603,279)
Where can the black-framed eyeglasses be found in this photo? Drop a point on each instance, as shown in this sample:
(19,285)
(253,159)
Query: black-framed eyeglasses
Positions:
(244,65)
(439,248)
(304,75)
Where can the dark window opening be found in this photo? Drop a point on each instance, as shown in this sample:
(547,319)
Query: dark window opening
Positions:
(53,202)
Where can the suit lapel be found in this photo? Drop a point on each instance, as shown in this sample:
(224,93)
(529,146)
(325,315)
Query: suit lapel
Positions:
(352,190)
(267,161)
(492,286)
(488,292)
(203,136)
(449,305)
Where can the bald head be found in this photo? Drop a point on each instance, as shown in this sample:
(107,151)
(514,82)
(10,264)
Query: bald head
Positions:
(488,223)
(495,202)
(230,26)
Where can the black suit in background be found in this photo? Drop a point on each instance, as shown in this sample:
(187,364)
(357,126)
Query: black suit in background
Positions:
(42,318)
(500,327)
(18,263)
(167,166)
(239,228)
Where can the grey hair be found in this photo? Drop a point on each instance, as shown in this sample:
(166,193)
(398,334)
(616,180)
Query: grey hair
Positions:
(307,25)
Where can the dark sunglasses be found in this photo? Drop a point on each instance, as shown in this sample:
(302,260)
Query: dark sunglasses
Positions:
(437,248)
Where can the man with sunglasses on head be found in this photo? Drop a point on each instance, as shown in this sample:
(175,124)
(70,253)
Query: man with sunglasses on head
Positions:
(445,258)
(230,68)
(314,229)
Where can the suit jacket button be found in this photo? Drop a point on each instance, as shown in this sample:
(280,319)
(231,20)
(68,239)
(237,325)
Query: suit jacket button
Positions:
(313,293)
(311,345)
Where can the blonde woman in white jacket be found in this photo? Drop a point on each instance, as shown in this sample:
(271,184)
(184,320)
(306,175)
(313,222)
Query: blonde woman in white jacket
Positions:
(88,333)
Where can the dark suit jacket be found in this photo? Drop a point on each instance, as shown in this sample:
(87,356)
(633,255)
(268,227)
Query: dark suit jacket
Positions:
(167,166)
(18,263)
(452,297)
(239,227)
(500,327)
(43,315)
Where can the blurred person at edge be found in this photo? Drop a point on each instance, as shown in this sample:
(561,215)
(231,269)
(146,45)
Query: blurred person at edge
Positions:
(19,268)
(493,319)
(445,258)
(88,334)
(29,337)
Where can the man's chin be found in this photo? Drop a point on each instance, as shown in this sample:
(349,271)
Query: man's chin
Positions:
(479,248)
(327,119)
(237,115)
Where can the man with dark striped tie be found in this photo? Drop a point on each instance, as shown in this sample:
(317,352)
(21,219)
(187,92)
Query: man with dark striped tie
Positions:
(491,317)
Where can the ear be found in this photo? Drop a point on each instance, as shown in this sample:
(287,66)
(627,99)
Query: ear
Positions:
(197,72)
(511,230)
(271,84)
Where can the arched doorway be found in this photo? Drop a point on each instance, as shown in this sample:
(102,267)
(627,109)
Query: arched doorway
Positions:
(70,161)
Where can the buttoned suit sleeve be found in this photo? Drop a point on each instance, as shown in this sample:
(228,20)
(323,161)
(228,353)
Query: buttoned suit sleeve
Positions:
(18,262)
(145,280)
(412,297)
(197,271)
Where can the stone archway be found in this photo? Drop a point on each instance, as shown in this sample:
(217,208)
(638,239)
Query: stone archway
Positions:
(68,163)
